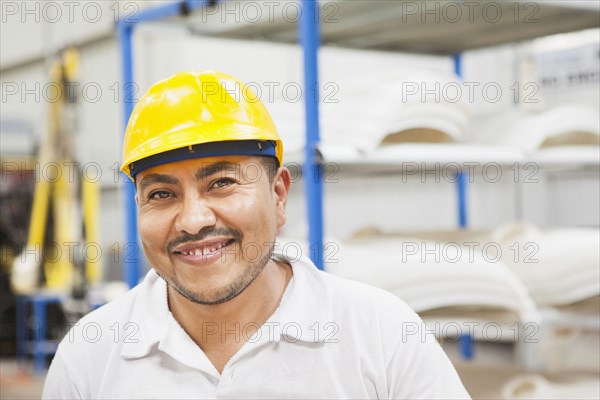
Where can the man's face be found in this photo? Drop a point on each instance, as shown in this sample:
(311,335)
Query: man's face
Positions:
(208,224)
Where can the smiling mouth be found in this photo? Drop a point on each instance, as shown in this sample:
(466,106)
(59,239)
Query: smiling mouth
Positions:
(205,249)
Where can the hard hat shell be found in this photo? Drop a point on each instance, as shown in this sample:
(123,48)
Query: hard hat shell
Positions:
(194,108)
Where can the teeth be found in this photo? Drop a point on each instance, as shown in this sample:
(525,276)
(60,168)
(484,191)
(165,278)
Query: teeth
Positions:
(210,249)
(203,252)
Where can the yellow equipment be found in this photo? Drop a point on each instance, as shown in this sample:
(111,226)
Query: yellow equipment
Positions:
(196,114)
(65,266)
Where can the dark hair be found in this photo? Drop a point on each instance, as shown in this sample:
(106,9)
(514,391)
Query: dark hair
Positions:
(271,166)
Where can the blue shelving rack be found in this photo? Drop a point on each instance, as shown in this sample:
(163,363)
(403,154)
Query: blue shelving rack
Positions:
(309,38)
(312,169)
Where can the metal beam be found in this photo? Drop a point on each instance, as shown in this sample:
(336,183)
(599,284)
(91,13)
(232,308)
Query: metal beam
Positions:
(312,172)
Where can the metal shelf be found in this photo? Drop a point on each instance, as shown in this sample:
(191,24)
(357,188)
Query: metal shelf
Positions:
(445,27)
(375,24)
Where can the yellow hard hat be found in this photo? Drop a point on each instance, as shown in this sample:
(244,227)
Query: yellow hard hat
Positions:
(197,114)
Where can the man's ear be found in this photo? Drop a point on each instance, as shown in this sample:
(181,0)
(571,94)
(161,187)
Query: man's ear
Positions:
(281,188)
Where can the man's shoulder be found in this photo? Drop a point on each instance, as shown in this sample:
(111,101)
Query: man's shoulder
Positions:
(357,290)
(361,315)
(358,297)
(101,326)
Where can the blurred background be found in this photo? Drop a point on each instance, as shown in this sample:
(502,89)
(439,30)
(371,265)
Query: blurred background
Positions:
(457,144)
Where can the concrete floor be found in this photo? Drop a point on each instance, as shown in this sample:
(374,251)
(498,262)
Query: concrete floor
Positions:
(19,383)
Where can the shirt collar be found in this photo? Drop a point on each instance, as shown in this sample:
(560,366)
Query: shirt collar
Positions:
(304,313)
(150,313)
(305,310)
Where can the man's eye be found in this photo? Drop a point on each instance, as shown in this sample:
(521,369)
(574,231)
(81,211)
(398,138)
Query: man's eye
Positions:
(159,195)
(223,182)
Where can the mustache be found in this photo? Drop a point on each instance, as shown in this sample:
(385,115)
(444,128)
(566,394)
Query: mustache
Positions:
(203,234)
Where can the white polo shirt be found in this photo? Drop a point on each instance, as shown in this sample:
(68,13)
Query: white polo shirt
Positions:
(329,338)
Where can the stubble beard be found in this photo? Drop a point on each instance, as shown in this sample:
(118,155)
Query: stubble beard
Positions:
(231,291)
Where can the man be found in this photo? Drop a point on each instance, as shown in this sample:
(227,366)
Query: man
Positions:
(224,313)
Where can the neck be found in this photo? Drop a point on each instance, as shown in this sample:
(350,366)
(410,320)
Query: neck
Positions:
(237,319)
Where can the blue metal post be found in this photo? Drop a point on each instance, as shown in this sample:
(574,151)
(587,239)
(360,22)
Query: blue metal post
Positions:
(131,253)
(462,181)
(41,345)
(312,172)
(466,346)
(457,59)
(22,333)
(39,340)
(462,177)
(132,266)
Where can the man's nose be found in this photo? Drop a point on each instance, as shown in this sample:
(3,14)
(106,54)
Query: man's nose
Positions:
(195,213)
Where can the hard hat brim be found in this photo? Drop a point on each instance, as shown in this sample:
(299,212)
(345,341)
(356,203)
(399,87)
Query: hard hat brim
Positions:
(267,148)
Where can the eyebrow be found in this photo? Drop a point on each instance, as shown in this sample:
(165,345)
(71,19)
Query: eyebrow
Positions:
(157,178)
(214,168)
